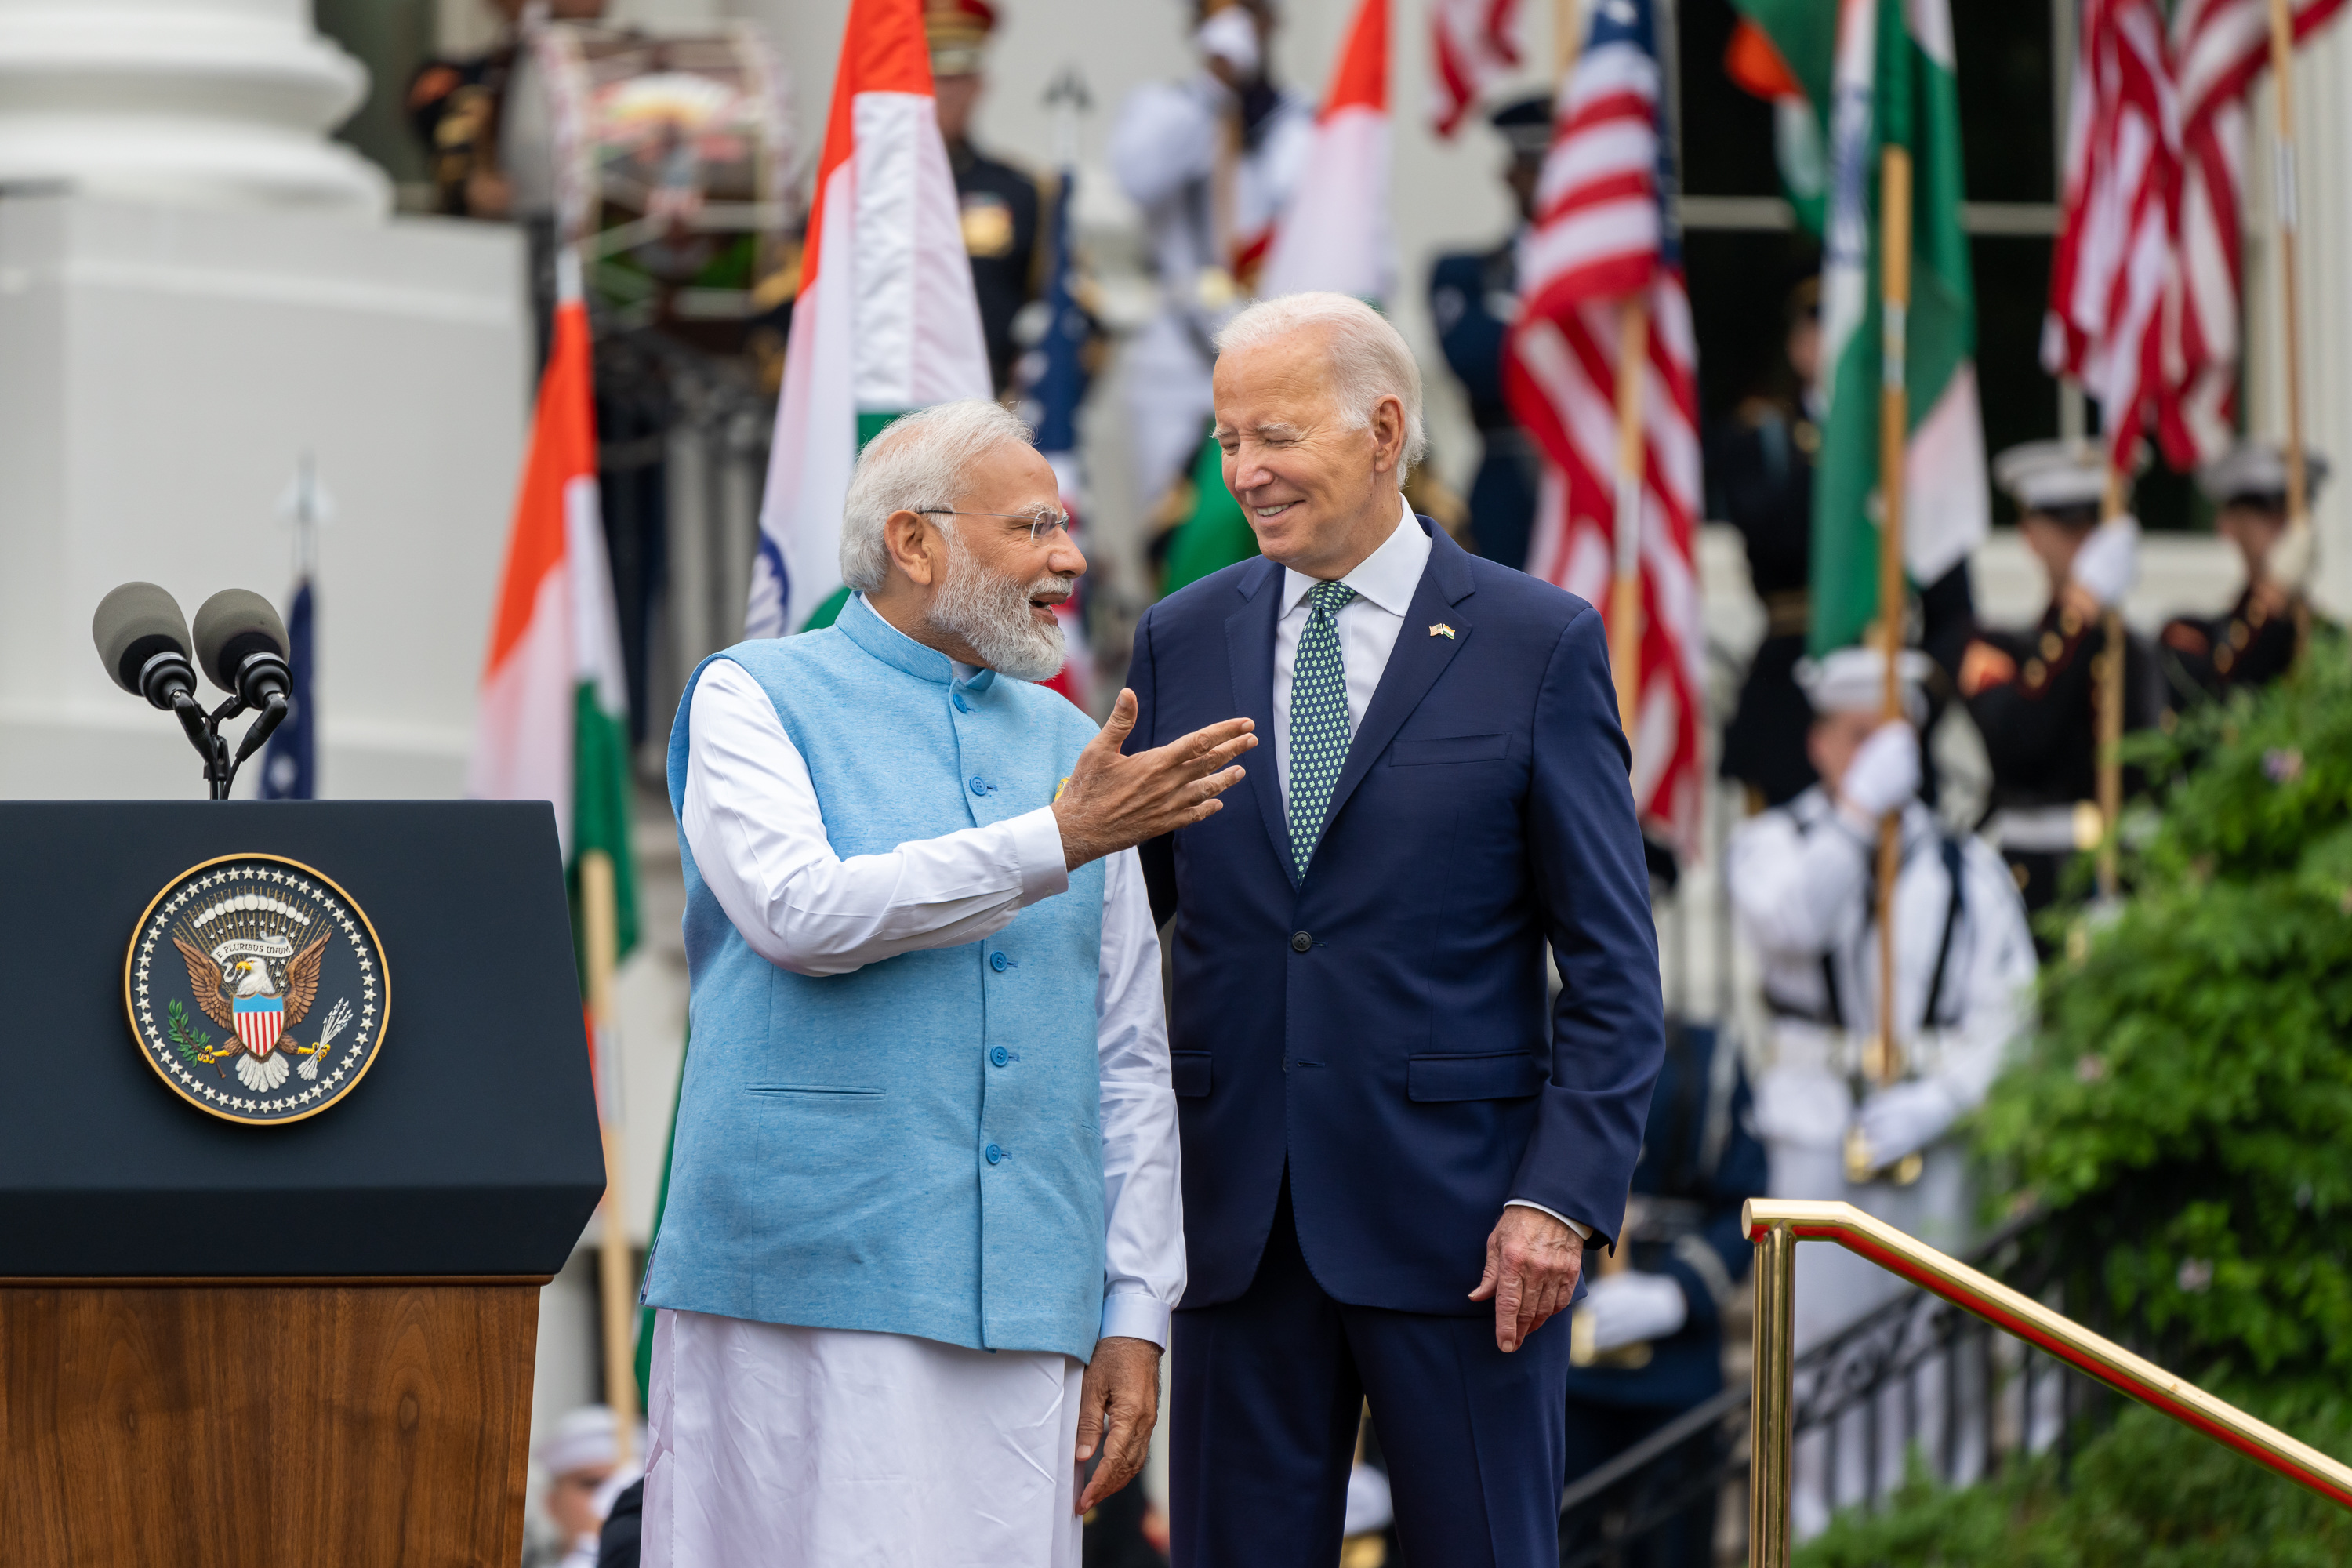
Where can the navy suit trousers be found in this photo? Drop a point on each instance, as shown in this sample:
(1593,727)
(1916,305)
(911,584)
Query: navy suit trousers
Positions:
(1270,1384)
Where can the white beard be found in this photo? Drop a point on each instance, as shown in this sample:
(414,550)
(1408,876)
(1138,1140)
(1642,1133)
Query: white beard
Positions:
(261,1072)
(992,613)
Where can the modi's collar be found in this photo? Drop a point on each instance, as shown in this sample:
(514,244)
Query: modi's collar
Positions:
(863,626)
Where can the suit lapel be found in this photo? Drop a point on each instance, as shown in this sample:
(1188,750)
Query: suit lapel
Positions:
(1419,658)
(1249,653)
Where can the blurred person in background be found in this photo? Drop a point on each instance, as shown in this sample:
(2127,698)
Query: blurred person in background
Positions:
(581,1459)
(1646,1343)
(1473,296)
(2033,692)
(2255,641)
(1210,160)
(1001,206)
(1801,883)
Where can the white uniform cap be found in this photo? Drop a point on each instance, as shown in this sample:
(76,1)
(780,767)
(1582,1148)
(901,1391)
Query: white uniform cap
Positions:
(1853,680)
(2256,471)
(2051,476)
(582,1440)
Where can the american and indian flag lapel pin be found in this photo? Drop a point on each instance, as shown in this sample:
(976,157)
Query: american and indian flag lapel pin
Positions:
(1442,630)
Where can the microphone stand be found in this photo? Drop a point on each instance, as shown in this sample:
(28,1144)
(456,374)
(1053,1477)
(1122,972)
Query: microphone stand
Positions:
(203,733)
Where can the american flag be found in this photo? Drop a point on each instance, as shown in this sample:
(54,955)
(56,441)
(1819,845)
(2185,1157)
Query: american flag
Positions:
(2219,46)
(1603,235)
(1473,43)
(2114,273)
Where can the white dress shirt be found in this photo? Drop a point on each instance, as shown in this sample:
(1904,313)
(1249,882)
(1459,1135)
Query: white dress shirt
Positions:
(752,818)
(1368,626)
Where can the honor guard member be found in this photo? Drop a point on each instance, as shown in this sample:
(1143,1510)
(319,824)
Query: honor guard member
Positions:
(1211,161)
(1473,297)
(1647,1340)
(1760,473)
(1801,879)
(2035,694)
(1001,207)
(2256,642)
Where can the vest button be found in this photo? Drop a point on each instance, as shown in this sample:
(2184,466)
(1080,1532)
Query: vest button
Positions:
(997,961)
(979,785)
(961,706)
(1301,940)
(995,1154)
(1000,1056)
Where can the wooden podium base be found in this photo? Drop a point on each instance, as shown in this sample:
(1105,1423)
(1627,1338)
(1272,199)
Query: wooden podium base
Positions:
(231,1423)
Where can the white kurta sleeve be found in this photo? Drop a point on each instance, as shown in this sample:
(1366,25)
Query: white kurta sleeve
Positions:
(1791,888)
(1143,1202)
(1166,138)
(752,820)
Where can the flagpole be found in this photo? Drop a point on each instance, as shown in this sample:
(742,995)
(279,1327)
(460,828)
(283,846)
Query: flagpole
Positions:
(2298,514)
(1893,435)
(599,915)
(2108,669)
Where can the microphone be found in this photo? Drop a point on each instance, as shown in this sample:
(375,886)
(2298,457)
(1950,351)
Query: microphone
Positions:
(143,640)
(241,644)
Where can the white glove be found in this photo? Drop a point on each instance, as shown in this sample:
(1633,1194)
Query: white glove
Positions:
(1634,1306)
(1905,1119)
(2292,556)
(2107,564)
(1884,773)
(1232,36)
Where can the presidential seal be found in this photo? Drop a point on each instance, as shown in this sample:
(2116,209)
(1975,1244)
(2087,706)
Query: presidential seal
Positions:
(256,989)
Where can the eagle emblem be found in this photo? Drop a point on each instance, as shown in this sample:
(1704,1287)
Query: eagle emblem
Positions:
(262,943)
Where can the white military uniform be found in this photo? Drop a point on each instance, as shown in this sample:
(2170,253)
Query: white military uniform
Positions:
(1164,151)
(1801,882)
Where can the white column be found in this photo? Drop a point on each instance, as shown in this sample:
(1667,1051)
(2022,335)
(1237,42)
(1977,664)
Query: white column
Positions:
(2323,83)
(221,103)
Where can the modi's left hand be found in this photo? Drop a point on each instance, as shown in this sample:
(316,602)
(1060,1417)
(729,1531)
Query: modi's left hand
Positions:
(1119,1403)
(1532,1263)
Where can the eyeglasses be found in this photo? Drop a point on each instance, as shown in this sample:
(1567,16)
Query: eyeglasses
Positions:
(1042,523)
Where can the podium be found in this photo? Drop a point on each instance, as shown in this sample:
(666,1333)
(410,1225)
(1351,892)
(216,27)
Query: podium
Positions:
(303,1342)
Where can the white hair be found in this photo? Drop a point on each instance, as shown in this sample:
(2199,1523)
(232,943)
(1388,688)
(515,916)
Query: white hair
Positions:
(916,464)
(1366,357)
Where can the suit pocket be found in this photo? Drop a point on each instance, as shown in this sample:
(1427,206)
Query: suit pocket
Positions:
(1189,1071)
(1494,1075)
(1449,749)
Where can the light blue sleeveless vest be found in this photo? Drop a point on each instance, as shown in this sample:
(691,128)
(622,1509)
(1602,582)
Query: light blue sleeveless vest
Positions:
(913,1148)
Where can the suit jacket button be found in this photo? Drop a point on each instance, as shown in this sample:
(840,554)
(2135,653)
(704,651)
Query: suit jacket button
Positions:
(1301,940)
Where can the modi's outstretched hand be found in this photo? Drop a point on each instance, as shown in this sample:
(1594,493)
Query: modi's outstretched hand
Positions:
(1532,1262)
(1114,802)
(1119,1403)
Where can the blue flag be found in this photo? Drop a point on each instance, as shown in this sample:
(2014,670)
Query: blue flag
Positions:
(1053,376)
(289,765)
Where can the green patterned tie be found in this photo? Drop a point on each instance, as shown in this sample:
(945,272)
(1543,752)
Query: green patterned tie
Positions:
(1318,720)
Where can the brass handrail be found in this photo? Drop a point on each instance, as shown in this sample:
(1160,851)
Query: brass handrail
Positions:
(1776,1224)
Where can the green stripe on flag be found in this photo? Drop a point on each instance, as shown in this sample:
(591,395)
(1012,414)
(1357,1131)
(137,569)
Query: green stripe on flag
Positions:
(600,815)
(661,1203)
(1916,105)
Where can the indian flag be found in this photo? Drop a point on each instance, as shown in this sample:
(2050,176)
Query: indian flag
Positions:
(1891,83)
(552,721)
(886,321)
(1334,234)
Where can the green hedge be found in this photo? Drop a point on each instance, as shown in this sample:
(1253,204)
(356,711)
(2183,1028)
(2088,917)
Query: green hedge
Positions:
(2184,1113)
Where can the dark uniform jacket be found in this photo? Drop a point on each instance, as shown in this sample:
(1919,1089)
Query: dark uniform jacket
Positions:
(1700,1161)
(2034,697)
(1760,472)
(2204,658)
(1473,296)
(1002,207)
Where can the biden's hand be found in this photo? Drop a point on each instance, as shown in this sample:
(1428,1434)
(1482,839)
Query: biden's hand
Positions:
(1532,1263)
(1114,802)
(1119,1403)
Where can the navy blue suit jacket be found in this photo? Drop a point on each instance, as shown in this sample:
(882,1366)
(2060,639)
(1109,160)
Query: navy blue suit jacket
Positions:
(1402,1064)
